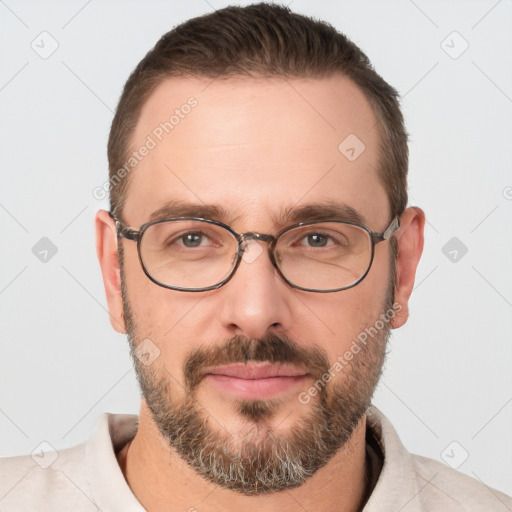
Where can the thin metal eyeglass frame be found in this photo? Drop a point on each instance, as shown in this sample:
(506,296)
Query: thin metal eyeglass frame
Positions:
(129,233)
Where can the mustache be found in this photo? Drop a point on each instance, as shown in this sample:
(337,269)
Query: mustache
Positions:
(272,348)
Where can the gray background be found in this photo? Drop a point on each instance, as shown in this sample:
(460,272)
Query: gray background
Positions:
(447,386)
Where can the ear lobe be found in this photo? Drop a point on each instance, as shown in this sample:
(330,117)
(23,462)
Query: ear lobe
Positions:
(410,240)
(106,249)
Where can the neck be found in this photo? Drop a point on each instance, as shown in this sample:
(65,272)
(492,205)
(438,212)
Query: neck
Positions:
(161,480)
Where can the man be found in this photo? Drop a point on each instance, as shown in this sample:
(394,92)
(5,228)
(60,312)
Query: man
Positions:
(258,251)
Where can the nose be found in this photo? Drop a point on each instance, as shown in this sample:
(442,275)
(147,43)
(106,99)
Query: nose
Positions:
(256,299)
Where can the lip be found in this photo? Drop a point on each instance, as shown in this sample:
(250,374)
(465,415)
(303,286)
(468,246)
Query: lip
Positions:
(255,380)
(252,371)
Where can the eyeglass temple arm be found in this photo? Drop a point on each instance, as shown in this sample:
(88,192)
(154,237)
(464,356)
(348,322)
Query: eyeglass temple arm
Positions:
(123,231)
(394,225)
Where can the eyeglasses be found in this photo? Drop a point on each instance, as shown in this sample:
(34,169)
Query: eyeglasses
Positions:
(194,254)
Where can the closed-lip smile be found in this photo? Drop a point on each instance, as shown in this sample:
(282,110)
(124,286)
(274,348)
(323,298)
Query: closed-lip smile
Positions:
(255,379)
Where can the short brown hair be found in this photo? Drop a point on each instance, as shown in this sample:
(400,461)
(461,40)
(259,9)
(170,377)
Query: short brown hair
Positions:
(260,40)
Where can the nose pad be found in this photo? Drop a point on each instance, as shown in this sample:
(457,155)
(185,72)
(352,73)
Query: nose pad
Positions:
(250,252)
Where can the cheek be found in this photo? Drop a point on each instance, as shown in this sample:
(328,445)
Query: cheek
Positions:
(158,314)
(333,321)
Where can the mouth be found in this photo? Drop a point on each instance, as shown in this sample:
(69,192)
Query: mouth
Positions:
(256,379)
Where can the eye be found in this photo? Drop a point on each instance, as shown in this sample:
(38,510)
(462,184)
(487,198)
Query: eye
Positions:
(188,240)
(192,239)
(316,240)
(320,239)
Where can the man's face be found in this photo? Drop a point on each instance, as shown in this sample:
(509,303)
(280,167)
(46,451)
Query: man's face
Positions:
(255,149)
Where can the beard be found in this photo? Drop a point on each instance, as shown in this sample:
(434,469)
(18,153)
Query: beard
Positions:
(258,459)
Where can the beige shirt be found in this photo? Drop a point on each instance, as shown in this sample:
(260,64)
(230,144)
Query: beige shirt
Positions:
(87,477)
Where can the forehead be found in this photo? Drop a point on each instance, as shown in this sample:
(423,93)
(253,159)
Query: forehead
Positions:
(256,146)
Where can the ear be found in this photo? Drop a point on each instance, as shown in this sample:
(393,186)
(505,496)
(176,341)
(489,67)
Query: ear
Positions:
(410,246)
(106,248)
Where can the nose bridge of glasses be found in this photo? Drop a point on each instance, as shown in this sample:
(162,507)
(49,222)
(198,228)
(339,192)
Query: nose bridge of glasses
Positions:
(259,237)
(248,253)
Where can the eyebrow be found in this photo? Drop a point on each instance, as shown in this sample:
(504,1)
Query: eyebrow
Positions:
(331,210)
(322,211)
(174,209)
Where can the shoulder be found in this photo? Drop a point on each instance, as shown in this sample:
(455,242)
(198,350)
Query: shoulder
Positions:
(413,483)
(81,478)
(442,485)
(45,480)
